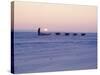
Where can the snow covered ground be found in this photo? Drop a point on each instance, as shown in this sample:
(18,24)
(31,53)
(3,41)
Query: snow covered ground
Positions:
(34,53)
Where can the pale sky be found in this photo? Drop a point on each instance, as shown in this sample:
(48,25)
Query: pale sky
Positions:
(28,16)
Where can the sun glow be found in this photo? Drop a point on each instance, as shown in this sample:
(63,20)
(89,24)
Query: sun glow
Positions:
(45,29)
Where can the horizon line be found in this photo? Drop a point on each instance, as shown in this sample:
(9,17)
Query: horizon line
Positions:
(53,31)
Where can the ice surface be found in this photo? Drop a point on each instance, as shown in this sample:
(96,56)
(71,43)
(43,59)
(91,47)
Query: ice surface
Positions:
(34,53)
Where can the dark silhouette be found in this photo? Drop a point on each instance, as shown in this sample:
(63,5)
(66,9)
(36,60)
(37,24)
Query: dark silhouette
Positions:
(66,34)
(83,34)
(75,34)
(57,33)
(39,33)
(45,34)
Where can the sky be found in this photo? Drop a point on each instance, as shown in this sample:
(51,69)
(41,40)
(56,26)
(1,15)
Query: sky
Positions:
(29,16)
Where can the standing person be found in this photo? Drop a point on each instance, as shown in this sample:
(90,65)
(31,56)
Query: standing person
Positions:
(38,31)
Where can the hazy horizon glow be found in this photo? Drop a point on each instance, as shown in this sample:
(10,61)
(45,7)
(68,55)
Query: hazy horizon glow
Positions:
(29,16)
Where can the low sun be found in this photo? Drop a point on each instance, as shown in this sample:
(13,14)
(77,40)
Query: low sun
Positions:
(45,29)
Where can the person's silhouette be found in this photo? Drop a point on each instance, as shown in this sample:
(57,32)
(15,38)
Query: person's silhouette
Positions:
(38,31)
